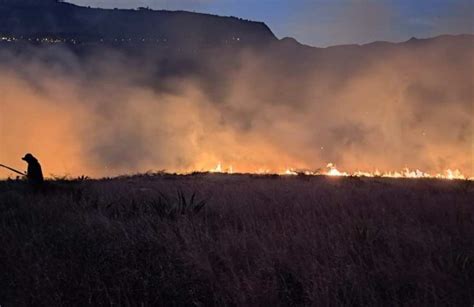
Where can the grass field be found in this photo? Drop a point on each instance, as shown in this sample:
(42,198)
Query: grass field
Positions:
(240,240)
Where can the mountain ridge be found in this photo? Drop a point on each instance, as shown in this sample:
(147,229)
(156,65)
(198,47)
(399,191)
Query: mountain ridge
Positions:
(39,20)
(54,18)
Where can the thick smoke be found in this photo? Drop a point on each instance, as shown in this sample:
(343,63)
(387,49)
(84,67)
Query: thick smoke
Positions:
(108,113)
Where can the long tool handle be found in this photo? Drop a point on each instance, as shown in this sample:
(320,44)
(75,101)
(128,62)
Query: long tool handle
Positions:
(13,170)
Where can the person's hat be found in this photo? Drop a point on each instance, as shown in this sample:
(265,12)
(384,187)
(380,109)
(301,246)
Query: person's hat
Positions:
(27,157)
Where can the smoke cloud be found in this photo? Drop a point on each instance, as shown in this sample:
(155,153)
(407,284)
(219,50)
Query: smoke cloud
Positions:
(107,112)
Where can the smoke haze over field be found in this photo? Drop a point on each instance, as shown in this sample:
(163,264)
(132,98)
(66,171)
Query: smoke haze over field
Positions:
(107,113)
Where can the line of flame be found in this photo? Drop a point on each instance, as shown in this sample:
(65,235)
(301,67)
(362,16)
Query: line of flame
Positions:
(334,172)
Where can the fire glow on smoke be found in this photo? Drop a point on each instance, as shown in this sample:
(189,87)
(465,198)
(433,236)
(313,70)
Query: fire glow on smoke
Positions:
(406,109)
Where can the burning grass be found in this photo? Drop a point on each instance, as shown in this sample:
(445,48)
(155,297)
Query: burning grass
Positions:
(214,239)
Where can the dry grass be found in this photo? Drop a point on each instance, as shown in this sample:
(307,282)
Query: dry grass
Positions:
(255,240)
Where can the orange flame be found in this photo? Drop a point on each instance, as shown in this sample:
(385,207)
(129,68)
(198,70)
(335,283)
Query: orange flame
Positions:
(332,171)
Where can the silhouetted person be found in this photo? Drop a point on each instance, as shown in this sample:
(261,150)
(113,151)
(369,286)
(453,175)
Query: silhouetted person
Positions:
(34,173)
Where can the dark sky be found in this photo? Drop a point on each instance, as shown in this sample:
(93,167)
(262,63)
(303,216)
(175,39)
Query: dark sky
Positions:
(331,22)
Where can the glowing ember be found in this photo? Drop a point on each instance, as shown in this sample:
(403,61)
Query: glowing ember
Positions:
(220,170)
(217,169)
(289,172)
(333,171)
(449,174)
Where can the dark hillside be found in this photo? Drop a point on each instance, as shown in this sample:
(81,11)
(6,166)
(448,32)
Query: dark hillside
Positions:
(64,20)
